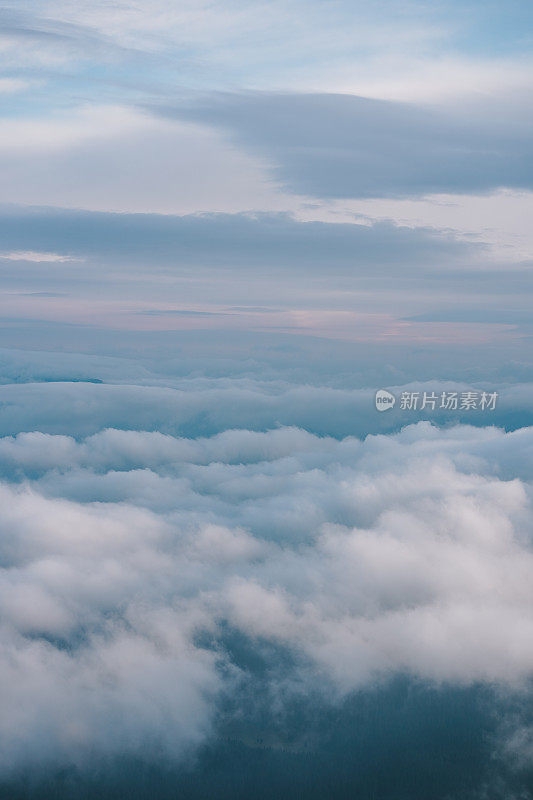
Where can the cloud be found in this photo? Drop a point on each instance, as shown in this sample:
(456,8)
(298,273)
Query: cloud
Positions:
(12,85)
(247,41)
(214,271)
(33,256)
(342,146)
(88,124)
(199,407)
(385,49)
(111,157)
(127,556)
(231,241)
(222,572)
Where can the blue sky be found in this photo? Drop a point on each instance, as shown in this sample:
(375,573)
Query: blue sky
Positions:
(187,46)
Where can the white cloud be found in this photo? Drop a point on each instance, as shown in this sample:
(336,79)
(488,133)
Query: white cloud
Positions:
(388,50)
(33,256)
(405,553)
(12,85)
(426,79)
(84,124)
(119,159)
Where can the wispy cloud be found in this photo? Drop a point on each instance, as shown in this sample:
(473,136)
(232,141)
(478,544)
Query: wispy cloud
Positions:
(12,85)
(36,257)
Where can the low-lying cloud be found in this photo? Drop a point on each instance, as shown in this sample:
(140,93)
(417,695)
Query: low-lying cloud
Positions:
(128,555)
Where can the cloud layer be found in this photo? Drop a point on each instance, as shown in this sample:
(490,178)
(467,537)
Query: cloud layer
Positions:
(224,574)
(328,145)
(128,555)
(250,241)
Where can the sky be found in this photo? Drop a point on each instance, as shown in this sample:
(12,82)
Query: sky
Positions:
(225,571)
